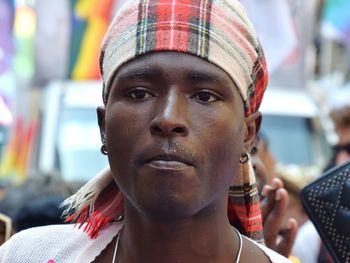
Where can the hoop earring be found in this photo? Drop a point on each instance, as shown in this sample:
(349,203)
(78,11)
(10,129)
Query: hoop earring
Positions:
(103,149)
(244,158)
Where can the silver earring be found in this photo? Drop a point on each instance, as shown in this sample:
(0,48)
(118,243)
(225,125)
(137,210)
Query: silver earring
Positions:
(120,218)
(103,149)
(244,158)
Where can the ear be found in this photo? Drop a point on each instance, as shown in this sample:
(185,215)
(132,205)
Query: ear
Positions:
(253,123)
(101,112)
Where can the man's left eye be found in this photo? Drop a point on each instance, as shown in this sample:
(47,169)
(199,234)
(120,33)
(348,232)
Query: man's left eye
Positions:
(140,94)
(205,97)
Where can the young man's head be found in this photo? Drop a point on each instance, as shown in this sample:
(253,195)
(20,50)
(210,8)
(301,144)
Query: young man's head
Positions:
(182,84)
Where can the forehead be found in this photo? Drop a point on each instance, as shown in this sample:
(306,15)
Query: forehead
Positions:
(174,64)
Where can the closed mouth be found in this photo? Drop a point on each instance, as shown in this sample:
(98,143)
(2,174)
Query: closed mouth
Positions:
(168,161)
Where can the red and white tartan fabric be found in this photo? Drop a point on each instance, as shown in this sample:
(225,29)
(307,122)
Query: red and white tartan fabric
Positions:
(217,31)
(244,204)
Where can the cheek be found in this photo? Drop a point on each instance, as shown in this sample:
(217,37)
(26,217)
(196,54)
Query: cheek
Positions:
(223,146)
(224,134)
(124,126)
(122,123)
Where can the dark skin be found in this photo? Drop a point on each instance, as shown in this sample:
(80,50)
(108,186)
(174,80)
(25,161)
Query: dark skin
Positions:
(175,128)
(274,207)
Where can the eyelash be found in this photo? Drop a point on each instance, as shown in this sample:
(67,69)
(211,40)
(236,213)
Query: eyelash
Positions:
(132,92)
(212,96)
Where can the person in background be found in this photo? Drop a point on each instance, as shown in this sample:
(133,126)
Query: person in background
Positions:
(36,202)
(33,187)
(266,156)
(308,245)
(264,162)
(41,211)
(260,171)
(340,116)
(279,227)
(293,183)
(182,85)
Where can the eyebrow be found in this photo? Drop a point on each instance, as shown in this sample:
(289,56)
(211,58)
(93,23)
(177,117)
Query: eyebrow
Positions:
(139,73)
(151,74)
(202,76)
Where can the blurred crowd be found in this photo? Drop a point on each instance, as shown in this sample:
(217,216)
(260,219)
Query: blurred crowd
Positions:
(35,202)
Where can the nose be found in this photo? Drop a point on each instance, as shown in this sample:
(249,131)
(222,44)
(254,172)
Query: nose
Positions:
(169,120)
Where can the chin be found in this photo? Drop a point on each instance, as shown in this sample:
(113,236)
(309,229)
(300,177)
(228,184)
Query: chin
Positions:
(168,207)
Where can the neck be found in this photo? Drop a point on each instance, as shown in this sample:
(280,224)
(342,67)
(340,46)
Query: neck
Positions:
(204,237)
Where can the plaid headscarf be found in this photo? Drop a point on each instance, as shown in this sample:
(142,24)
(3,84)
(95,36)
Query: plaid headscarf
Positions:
(217,31)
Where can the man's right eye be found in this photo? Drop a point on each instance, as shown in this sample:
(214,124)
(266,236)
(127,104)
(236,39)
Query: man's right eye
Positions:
(139,94)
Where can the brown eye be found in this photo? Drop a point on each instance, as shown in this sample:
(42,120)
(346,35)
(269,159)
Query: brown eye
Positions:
(139,94)
(205,97)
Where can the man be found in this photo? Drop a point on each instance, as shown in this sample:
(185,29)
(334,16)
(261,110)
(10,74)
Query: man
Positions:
(183,81)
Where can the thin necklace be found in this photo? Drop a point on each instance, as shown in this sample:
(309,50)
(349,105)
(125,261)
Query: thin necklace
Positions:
(116,248)
(240,246)
(237,259)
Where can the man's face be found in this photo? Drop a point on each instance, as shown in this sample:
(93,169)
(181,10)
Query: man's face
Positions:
(175,128)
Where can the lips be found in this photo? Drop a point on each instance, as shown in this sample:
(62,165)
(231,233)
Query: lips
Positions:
(169,158)
(168,162)
(166,155)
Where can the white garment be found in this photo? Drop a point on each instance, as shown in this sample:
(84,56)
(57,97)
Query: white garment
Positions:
(68,244)
(58,243)
(307,244)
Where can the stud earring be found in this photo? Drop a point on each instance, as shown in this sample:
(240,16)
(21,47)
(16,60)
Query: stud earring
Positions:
(244,158)
(103,149)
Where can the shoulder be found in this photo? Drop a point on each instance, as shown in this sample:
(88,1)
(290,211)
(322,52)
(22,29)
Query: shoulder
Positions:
(253,249)
(274,256)
(48,234)
(61,243)
(40,242)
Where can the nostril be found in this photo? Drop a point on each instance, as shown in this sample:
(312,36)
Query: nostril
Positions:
(156,129)
(168,131)
(178,130)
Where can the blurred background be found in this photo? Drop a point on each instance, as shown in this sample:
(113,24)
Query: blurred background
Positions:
(50,84)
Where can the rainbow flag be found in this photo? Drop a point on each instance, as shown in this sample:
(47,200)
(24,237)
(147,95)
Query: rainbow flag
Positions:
(17,155)
(89,23)
(336,20)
